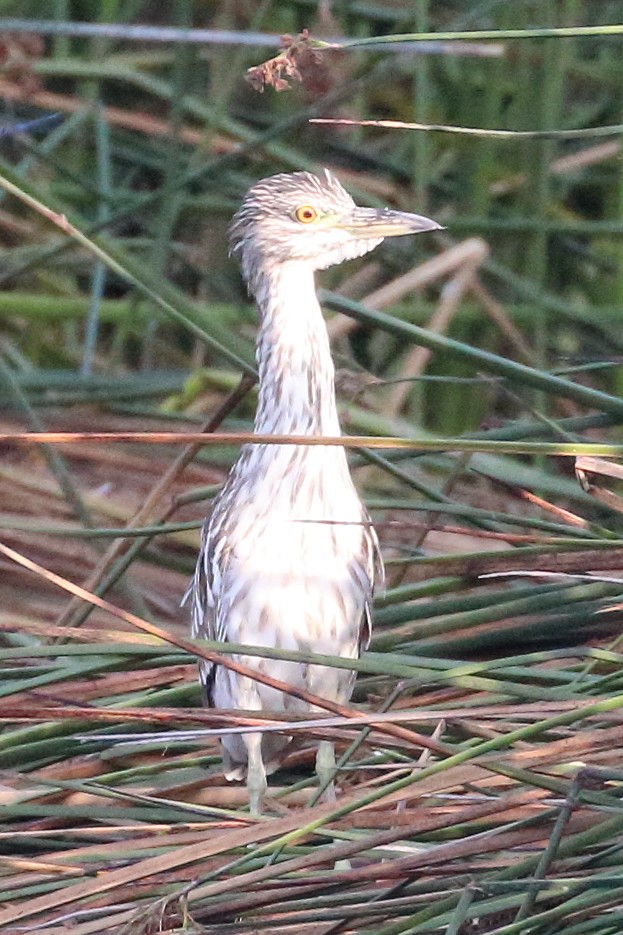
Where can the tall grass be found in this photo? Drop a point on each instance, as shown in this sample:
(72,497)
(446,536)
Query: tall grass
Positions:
(479,774)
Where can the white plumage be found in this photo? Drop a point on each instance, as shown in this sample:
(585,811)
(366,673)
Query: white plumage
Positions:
(288,557)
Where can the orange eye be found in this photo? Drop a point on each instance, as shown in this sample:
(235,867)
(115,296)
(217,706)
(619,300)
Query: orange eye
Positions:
(305,214)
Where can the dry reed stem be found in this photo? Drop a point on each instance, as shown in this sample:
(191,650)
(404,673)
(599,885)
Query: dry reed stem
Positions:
(420,276)
(452,293)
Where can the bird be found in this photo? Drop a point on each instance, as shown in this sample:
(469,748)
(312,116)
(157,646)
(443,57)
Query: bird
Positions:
(289,557)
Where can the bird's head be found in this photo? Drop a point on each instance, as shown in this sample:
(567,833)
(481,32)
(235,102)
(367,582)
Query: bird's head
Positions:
(309,218)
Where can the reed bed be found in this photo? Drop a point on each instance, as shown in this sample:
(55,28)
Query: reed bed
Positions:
(480,771)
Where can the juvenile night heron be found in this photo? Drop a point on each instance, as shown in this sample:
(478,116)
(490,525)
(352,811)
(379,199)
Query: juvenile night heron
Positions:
(288,557)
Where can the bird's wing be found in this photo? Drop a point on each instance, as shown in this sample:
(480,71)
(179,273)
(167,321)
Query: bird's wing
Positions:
(374,575)
(204,593)
(205,586)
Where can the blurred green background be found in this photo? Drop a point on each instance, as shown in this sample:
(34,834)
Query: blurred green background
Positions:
(120,310)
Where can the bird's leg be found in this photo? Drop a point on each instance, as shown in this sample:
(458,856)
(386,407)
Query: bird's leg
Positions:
(325,769)
(256,774)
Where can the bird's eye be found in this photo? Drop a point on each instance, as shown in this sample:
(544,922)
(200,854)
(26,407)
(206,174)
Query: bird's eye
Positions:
(305,214)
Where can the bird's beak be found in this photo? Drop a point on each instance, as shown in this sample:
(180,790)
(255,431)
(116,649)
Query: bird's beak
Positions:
(374,223)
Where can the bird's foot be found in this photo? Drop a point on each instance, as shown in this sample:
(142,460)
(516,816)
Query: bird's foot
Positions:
(256,798)
(325,770)
(256,774)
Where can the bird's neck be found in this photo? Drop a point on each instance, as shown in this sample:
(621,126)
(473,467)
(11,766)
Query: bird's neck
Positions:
(296,374)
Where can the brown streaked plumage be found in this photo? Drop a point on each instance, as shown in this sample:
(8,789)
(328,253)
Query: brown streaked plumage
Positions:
(288,557)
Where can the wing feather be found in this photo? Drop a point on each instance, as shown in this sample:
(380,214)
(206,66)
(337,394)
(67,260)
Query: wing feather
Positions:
(204,592)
